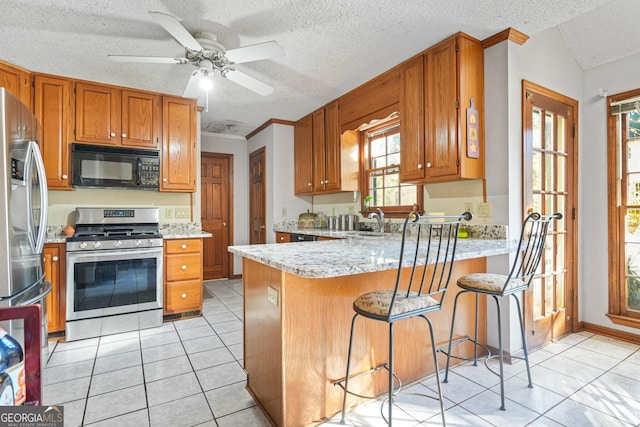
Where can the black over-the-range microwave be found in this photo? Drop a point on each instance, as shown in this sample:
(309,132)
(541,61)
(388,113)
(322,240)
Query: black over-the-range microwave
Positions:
(114,167)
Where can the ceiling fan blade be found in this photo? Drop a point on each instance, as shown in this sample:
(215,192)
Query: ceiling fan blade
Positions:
(147,59)
(175,28)
(254,52)
(247,81)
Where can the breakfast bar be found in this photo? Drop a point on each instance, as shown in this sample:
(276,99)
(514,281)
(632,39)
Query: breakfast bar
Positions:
(298,307)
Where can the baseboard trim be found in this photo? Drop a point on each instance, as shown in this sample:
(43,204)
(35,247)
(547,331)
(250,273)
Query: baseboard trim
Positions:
(610,332)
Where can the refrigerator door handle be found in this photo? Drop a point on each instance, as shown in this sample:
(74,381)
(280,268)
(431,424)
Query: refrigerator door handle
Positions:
(44,198)
(44,290)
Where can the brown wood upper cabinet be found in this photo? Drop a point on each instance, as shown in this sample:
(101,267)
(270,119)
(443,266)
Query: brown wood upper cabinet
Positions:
(179,128)
(324,161)
(436,89)
(112,116)
(303,155)
(17,81)
(53,108)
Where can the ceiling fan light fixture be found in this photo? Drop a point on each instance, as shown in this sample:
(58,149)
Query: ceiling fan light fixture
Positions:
(206,81)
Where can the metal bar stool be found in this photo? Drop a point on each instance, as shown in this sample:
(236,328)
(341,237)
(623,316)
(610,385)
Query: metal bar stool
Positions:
(424,271)
(529,254)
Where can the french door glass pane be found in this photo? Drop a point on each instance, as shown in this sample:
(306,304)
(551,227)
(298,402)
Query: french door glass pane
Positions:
(548,131)
(537,171)
(561,121)
(536,128)
(549,165)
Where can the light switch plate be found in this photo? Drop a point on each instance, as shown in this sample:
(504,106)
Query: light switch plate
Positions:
(272,295)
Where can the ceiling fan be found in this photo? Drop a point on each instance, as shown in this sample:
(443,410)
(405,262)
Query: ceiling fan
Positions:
(204,52)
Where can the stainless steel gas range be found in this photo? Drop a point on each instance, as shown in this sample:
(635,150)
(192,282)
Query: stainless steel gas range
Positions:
(114,272)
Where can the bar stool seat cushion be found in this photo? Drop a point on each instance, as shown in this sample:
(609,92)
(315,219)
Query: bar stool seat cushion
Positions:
(377,303)
(488,282)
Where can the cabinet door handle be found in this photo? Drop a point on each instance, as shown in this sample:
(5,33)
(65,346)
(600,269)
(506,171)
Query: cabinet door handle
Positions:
(429,164)
(281,239)
(55,259)
(164,179)
(65,176)
(419,165)
(183,295)
(124,135)
(112,134)
(184,267)
(184,246)
(309,184)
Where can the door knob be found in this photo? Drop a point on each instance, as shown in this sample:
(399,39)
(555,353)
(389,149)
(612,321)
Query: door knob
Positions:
(224,224)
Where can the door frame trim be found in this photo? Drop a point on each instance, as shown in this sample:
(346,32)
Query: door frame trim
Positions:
(572,206)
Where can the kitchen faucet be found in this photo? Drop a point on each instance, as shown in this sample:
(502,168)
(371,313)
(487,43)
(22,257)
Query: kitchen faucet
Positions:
(379,216)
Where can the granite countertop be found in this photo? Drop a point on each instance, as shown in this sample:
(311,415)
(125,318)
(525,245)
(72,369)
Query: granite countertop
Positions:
(190,235)
(361,252)
(168,231)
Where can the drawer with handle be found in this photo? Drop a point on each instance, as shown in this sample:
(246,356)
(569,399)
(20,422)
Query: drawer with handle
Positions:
(183,296)
(183,267)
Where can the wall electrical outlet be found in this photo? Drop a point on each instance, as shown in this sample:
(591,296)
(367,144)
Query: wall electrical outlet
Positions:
(272,295)
(484,210)
(182,212)
(284,212)
(168,212)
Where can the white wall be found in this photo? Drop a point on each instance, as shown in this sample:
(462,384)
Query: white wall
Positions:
(615,77)
(278,140)
(545,60)
(237,146)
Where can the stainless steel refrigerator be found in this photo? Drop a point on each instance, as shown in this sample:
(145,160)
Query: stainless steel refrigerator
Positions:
(23,213)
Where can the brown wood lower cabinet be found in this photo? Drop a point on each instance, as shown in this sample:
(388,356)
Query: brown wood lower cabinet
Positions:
(182,276)
(53,257)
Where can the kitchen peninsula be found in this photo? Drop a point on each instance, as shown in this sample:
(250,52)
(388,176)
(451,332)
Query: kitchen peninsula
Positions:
(298,307)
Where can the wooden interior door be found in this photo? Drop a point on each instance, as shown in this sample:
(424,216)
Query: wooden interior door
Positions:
(216,182)
(257,197)
(550,185)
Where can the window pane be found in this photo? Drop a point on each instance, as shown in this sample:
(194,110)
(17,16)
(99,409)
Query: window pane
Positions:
(632,220)
(633,155)
(378,147)
(537,170)
(561,133)
(548,131)
(384,162)
(378,162)
(633,275)
(633,187)
(537,203)
(537,128)
(633,124)
(560,162)
(408,195)
(549,165)
(393,143)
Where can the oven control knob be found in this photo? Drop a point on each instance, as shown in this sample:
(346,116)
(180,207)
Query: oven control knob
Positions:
(117,243)
(83,245)
(137,243)
(96,245)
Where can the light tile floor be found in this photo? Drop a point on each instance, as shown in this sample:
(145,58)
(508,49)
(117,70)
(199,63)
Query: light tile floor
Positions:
(189,373)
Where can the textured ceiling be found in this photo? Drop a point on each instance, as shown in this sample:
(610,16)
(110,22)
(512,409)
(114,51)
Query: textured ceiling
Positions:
(331,46)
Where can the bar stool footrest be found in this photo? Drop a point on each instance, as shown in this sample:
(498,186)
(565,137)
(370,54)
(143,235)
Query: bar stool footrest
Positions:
(445,350)
(340,382)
